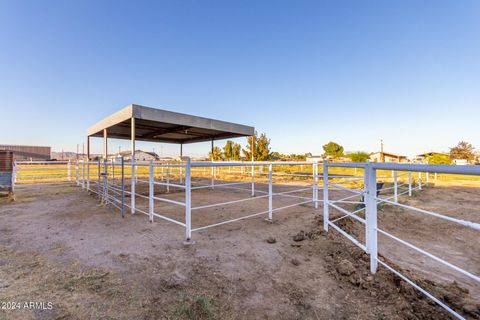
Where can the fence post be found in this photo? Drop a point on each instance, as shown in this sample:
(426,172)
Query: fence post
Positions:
(213,175)
(14,173)
(371,216)
(188,202)
(105,182)
(325,195)
(270,193)
(88,175)
(76,173)
(123,187)
(253,180)
(315,184)
(366,184)
(409,183)
(132,191)
(395,186)
(69,171)
(168,178)
(181,175)
(419,181)
(150,192)
(98,181)
(83,174)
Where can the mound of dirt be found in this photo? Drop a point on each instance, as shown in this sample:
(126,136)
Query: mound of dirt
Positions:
(350,265)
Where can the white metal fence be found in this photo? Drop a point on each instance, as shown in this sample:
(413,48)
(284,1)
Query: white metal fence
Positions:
(114,181)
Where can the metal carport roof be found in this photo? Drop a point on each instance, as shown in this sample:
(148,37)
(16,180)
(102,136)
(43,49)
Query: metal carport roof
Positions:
(156,125)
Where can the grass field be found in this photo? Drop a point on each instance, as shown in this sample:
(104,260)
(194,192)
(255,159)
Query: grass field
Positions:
(53,173)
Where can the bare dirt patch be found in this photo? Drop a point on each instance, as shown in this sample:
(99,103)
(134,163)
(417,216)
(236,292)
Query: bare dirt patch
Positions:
(57,244)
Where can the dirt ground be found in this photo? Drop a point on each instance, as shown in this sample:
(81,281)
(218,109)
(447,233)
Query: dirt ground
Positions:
(59,245)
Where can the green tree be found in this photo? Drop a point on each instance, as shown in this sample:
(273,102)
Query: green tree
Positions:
(463,150)
(217,154)
(261,148)
(359,156)
(438,158)
(236,151)
(333,149)
(228,150)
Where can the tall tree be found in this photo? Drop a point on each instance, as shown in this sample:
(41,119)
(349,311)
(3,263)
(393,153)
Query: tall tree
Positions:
(333,149)
(236,152)
(217,154)
(463,150)
(261,148)
(228,150)
(264,152)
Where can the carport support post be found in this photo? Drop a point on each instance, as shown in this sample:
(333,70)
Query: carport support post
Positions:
(213,168)
(188,202)
(132,191)
(409,183)
(325,195)
(253,167)
(395,186)
(315,184)
(419,181)
(371,216)
(426,178)
(270,193)
(150,192)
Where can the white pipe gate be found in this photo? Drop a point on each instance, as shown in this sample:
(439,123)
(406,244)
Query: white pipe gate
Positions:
(109,178)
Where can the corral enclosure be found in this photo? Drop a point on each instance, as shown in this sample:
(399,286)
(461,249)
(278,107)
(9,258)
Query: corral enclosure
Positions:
(293,188)
(250,239)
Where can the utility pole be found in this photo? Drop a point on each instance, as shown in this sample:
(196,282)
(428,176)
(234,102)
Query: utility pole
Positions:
(382,156)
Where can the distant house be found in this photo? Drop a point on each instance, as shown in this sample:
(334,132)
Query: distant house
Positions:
(140,155)
(461,162)
(387,157)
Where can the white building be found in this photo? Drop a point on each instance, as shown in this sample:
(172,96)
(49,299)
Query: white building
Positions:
(387,157)
(139,155)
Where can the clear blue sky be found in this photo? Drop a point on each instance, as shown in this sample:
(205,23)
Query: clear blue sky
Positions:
(304,72)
